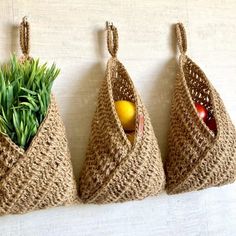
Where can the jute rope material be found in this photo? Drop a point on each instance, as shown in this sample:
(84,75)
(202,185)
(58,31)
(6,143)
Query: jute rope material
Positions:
(197,158)
(112,39)
(41,176)
(114,169)
(181,38)
(25,37)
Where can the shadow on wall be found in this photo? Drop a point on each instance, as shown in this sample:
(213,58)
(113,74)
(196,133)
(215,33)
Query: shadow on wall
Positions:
(162,93)
(82,103)
(15,40)
(11,32)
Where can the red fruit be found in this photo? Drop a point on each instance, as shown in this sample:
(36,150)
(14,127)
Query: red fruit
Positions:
(202,111)
(212,125)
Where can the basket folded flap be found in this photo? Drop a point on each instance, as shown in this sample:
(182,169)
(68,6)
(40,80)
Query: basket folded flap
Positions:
(197,157)
(116,170)
(41,176)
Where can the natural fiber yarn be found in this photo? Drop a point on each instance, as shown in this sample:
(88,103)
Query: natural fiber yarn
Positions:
(41,176)
(114,169)
(197,158)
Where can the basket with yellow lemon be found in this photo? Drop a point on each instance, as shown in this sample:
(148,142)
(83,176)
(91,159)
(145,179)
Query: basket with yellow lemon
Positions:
(123,160)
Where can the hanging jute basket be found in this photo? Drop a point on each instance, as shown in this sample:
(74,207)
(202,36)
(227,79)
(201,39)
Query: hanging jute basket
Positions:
(116,170)
(197,158)
(40,176)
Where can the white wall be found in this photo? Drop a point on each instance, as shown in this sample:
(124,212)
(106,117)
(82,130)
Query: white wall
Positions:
(71,33)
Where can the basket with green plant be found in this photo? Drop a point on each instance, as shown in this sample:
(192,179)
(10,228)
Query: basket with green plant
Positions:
(35,165)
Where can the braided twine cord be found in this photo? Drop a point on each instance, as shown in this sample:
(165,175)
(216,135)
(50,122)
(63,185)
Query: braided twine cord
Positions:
(41,176)
(25,39)
(114,169)
(197,158)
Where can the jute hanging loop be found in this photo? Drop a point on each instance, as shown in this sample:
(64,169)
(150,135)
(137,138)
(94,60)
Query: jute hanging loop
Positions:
(112,39)
(181,38)
(25,37)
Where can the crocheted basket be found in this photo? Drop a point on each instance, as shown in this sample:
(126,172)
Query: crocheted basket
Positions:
(197,157)
(114,169)
(41,176)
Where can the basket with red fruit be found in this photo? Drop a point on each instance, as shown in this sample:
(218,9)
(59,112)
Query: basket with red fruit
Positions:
(202,138)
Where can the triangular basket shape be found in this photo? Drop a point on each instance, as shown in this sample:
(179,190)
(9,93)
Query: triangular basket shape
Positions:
(41,176)
(115,170)
(197,158)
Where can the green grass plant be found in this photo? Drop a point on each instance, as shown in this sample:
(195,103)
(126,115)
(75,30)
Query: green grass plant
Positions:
(25,90)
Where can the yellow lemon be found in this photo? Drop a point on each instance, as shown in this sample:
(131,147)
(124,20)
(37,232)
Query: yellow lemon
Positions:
(126,113)
(130,136)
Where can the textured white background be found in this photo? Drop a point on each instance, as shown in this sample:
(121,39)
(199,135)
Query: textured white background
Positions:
(71,33)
